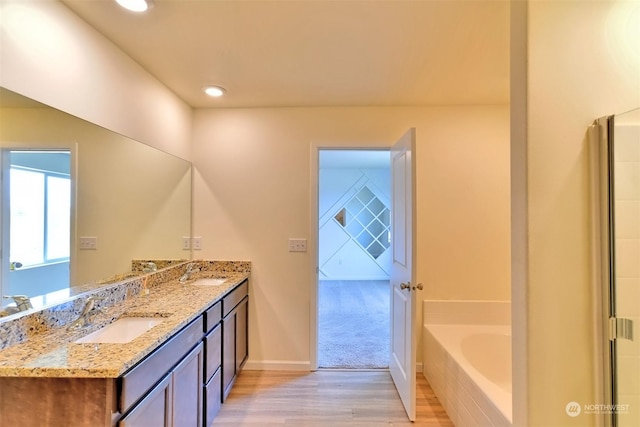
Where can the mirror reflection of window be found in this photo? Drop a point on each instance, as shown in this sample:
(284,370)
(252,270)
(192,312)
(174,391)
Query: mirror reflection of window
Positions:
(39,205)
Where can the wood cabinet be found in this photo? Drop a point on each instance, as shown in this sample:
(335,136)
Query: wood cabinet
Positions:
(164,389)
(180,384)
(138,380)
(46,401)
(176,401)
(235,345)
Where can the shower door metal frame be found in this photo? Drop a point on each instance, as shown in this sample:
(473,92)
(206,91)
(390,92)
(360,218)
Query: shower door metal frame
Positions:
(601,136)
(605,206)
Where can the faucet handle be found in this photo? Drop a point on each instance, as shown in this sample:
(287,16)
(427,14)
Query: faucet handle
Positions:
(149,267)
(16,297)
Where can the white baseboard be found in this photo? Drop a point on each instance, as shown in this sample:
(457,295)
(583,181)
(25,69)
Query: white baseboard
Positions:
(288,365)
(277,365)
(351,278)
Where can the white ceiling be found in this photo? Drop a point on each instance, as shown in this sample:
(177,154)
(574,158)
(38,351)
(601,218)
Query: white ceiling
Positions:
(317,52)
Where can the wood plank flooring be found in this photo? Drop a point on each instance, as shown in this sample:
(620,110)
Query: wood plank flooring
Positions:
(325,398)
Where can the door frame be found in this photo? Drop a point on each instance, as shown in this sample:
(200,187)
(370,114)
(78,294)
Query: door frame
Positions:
(312,246)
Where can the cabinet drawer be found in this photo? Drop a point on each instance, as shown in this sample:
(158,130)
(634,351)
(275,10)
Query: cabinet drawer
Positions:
(153,410)
(234,297)
(136,382)
(213,316)
(213,352)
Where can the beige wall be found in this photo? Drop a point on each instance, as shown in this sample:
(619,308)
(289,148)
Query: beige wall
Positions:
(252,193)
(583,63)
(49,54)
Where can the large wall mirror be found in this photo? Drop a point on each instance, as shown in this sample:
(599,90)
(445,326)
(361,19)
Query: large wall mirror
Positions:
(80,203)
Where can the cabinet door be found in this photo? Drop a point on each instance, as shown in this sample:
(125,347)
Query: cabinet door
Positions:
(212,398)
(228,353)
(154,409)
(242,334)
(235,348)
(187,390)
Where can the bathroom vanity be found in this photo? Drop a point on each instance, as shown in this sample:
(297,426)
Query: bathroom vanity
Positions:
(174,373)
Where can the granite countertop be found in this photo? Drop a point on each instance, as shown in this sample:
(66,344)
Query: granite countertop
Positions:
(53,353)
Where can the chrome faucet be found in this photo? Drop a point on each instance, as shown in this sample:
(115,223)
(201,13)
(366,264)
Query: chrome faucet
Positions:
(83,319)
(187,275)
(22,301)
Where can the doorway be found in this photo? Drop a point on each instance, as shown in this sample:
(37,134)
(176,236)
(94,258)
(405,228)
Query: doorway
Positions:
(353,259)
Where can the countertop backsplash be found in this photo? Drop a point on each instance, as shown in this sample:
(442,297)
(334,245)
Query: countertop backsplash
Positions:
(20,329)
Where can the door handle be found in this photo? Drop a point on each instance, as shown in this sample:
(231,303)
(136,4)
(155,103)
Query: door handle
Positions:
(405,285)
(418,286)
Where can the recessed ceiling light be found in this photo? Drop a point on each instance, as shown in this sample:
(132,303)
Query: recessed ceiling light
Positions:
(136,5)
(214,91)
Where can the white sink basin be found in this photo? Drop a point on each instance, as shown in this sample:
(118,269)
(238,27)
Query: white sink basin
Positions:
(209,281)
(121,331)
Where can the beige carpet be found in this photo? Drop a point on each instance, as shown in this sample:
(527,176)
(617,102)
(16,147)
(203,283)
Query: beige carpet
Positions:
(353,324)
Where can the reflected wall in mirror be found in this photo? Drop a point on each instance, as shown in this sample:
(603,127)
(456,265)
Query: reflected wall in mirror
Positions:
(128,200)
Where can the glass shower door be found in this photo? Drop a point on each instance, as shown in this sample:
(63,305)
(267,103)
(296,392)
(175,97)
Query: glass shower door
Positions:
(624,197)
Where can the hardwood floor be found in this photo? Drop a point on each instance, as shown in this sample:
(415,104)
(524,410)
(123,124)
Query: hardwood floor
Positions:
(325,398)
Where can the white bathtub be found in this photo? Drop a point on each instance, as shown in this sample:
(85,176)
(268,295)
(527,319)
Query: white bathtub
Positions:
(469,369)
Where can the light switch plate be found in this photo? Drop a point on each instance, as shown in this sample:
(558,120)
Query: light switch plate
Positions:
(297,245)
(88,243)
(186,243)
(197,243)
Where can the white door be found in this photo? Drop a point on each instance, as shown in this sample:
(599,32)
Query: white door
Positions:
(402,363)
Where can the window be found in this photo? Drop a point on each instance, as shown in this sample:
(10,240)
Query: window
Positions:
(40,203)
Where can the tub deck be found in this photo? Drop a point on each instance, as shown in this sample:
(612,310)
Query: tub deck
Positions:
(468,364)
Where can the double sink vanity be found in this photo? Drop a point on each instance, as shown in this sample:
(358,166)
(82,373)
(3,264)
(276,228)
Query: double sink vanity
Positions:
(160,349)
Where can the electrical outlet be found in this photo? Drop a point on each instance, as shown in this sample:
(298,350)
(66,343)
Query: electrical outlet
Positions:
(197,243)
(297,245)
(88,243)
(186,243)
